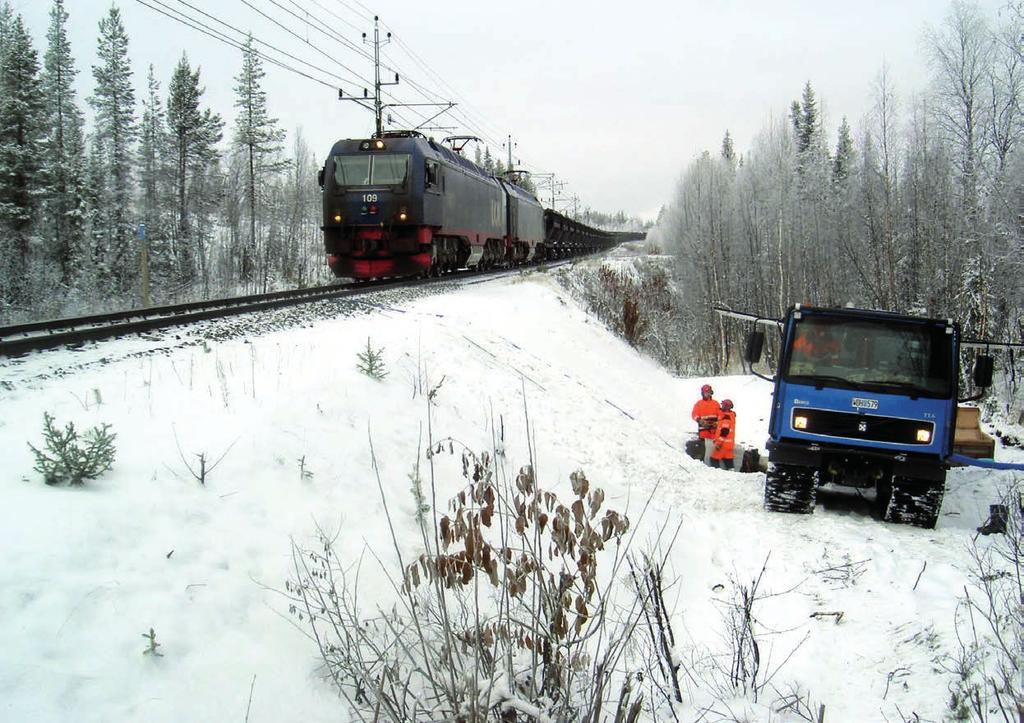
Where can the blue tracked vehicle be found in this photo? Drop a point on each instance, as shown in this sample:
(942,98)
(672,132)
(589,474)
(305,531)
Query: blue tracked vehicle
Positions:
(865,399)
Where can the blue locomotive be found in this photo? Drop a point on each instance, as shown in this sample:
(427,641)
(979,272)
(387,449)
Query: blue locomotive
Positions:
(401,204)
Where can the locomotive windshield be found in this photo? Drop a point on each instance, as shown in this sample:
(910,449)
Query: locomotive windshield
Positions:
(877,356)
(388,169)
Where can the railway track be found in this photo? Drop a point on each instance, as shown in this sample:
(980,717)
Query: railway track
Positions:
(37,336)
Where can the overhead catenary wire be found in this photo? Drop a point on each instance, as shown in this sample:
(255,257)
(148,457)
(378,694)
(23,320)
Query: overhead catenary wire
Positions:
(194,23)
(358,78)
(461,115)
(334,34)
(267,52)
(419,61)
(312,20)
(299,37)
(320,26)
(184,19)
(369,13)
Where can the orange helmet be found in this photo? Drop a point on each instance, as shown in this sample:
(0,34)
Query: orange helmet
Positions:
(706,389)
(726,405)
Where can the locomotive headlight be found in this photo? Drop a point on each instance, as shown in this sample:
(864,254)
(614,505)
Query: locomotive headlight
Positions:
(924,435)
(337,218)
(378,144)
(402,215)
(799,422)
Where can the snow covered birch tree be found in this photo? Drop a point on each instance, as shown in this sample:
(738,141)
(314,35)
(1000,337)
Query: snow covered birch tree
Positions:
(259,140)
(113,101)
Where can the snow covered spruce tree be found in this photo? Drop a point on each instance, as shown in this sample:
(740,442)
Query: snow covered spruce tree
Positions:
(21,151)
(63,218)
(113,101)
(154,200)
(194,135)
(258,139)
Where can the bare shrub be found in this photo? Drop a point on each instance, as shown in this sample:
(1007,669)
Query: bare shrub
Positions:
(647,575)
(988,665)
(505,617)
(634,297)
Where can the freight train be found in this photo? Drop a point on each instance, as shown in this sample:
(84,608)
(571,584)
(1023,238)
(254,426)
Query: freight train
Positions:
(401,204)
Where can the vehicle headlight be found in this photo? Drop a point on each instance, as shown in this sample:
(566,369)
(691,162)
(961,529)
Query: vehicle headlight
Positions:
(799,422)
(402,215)
(924,435)
(337,218)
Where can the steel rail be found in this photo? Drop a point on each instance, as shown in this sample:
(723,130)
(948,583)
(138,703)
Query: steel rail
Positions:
(37,336)
(20,339)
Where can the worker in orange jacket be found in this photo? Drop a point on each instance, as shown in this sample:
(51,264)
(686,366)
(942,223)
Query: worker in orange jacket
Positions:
(705,414)
(818,343)
(725,438)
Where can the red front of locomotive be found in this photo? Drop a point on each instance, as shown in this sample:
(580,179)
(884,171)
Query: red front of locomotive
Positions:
(373,209)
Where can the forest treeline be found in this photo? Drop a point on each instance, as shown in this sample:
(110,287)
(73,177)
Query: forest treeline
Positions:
(161,198)
(920,209)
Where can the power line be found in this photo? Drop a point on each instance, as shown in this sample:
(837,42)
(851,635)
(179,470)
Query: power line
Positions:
(185,19)
(325,30)
(369,13)
(416,58)
(276,49)
(189,21)
(312,19)
(299,37)
(332,14)
(330,33)
(479,126)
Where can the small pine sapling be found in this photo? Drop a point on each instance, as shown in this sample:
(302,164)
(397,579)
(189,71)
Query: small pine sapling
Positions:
(153,645)
(305,473)
(371,362)
(67,457)
(422,508)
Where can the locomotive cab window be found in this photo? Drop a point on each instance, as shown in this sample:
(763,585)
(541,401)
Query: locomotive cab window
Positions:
(432,174)
(388,169)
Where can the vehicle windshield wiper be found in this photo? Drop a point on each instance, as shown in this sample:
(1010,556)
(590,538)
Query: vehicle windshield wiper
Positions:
(913,389)
(820,380)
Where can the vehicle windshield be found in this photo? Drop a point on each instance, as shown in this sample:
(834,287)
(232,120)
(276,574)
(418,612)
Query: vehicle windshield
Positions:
(885,356)
(364,169)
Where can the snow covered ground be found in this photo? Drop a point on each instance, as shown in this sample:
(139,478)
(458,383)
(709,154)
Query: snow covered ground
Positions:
(88,571)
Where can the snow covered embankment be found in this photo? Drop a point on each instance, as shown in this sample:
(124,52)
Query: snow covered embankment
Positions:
(88,571)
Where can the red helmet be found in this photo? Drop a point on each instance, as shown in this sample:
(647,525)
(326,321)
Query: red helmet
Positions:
(706,389)
(726,405)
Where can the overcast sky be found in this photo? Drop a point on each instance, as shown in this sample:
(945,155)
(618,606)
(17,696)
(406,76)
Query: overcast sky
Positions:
(614,98)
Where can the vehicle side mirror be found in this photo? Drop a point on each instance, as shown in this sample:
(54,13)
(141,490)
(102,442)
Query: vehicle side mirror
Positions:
(983,371)
(320,178)
(755,345)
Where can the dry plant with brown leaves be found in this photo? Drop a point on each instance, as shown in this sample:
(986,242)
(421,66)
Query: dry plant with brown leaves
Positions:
(505,617)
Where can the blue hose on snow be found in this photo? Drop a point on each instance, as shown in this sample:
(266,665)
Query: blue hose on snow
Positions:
(985,463)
